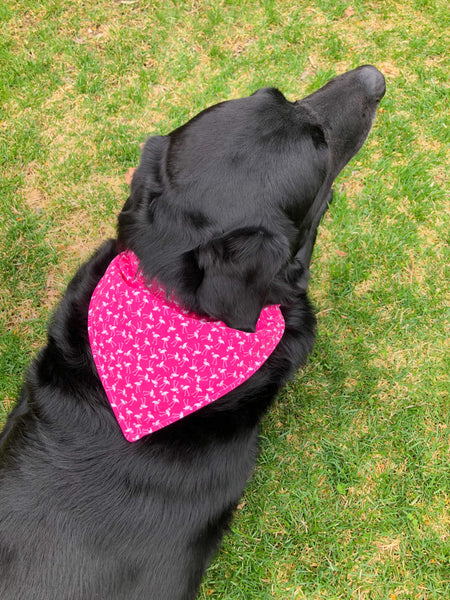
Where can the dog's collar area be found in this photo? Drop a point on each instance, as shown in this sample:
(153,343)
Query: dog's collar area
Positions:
(157,361)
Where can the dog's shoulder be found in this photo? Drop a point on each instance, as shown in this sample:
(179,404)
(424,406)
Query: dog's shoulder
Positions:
(67,331)
(64,364)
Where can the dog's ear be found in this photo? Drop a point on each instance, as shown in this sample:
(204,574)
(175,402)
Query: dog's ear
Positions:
(146,185)
(148,178)
(238,269)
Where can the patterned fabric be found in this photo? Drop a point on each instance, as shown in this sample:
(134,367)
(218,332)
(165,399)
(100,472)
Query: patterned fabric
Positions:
(158,362)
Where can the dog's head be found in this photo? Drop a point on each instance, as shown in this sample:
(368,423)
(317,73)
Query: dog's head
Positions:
(221,207)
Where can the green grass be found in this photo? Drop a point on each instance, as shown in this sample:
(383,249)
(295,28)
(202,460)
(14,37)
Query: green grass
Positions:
(351,496)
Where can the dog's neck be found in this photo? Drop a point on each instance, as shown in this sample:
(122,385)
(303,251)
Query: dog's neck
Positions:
(159,362)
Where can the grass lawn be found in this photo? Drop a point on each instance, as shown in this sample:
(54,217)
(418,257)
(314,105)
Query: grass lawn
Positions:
(351,496)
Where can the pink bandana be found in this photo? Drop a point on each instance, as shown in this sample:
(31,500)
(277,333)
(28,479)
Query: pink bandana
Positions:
(158,362)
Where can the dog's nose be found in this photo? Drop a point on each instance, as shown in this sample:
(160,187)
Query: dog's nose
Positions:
(373,81)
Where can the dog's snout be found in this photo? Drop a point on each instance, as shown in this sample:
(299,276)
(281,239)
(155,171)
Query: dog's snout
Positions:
(373,81)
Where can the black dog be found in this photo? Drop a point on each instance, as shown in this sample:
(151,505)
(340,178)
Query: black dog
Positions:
(224,213)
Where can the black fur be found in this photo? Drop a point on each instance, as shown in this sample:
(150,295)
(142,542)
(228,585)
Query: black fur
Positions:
(224,212)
